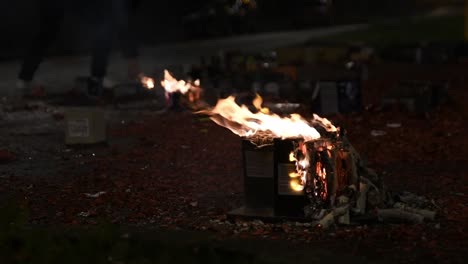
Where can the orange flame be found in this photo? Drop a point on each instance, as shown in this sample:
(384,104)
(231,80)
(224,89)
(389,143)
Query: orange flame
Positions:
(241,121)
(172,85)
(322,173)
(147,82)
(296,186)
(245,123)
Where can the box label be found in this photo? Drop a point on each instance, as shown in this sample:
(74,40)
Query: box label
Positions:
(78,127)
(259,164)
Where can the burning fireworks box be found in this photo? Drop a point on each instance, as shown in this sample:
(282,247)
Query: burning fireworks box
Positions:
(276,186)
(84,125)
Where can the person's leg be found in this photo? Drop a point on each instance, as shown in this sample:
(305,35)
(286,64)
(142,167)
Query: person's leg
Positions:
(100,57)
(102,47)
(51,17)
(122,10)
(104,32)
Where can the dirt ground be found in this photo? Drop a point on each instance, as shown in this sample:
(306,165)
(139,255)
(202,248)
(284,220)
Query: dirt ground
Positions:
(180,171)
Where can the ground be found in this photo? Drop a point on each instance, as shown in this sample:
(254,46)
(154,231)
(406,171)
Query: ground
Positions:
(172,171)
(165,181)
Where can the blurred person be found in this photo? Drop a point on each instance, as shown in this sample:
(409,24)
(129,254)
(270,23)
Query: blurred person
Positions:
(108,16)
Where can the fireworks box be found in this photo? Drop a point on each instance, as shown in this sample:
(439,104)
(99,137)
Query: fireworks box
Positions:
(84,125)
(416,96)
(333,96)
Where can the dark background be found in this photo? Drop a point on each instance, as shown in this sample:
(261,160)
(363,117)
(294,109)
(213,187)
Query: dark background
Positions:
(167,21)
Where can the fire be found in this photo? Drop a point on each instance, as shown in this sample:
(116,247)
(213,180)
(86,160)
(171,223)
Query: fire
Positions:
(294,175)
(296,186)
(322,174)
(257,102)
(172,85)
(245,123)
(291,157)
(147,82)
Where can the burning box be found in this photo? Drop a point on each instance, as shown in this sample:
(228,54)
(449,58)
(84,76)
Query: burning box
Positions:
(84,125)
(295,179)
(305,169)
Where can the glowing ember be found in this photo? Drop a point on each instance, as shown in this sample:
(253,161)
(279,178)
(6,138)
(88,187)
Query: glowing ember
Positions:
(147,82)
(241,121)
(172,85)
(322,174)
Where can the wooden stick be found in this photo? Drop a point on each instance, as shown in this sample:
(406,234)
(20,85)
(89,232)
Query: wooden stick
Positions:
(362,198)
(327,221)
(399,215)
(427,214)
(342,213)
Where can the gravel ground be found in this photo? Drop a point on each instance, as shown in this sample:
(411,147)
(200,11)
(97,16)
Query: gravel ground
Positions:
(177,170)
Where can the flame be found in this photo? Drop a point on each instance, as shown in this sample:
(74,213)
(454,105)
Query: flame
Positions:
(294,174)
(245,123)
(241,121)
(147,82)
(172,85)
(291,157)
(322,173)
(296,186)
(257,102)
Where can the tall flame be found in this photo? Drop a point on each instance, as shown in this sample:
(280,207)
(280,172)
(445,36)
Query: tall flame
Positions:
(243,122)
(172,85)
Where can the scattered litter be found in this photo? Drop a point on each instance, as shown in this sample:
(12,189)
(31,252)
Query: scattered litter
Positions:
(377,133)
(95,195)
(194,204)
(184,146)
(394,125)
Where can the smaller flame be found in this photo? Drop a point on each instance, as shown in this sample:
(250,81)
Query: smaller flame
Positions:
(147,82)
(257,103)
(322,173)
(298,178)
(291,157)
(172,85)
(304,164)
(296,186)
(294,175)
